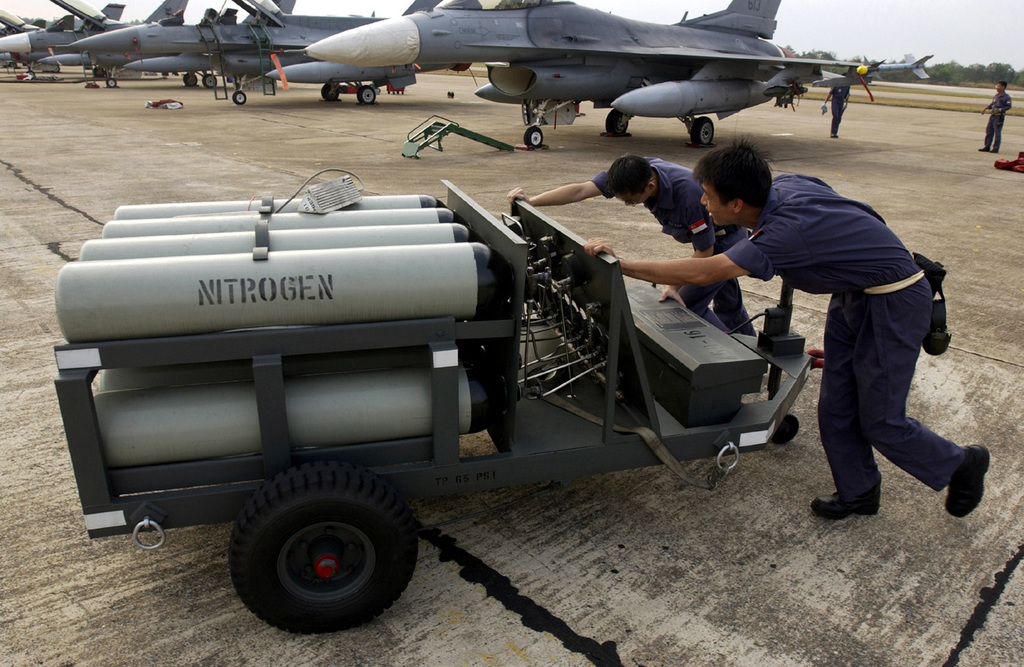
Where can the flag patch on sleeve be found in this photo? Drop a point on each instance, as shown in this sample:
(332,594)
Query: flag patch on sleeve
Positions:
(698,227)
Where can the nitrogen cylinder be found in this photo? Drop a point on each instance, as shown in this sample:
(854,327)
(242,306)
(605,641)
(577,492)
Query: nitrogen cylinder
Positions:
(240,222)
(182,245)
(175,296)
(367,203)
(163,425)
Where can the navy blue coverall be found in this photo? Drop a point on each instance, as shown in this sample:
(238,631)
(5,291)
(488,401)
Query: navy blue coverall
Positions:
(682,216)
(1001,103)
(822,243)
(839,96)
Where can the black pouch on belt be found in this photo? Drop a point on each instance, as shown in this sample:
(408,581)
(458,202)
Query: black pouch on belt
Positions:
(937,340)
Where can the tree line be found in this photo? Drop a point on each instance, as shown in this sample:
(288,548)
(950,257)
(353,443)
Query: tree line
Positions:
(949,74)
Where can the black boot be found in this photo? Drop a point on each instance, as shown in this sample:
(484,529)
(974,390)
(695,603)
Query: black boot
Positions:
(831,507)
(968,482)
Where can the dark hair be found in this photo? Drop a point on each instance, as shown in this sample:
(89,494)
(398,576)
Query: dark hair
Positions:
(628,175)
(736,171)
(1001,83)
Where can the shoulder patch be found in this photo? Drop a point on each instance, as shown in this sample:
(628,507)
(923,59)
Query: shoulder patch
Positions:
(698,227)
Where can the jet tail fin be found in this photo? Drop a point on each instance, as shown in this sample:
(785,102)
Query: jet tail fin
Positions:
(745,17)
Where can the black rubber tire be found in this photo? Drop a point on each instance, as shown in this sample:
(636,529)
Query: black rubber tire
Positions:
(533,137)
(329,92)
(323,500)
(111,82)
(787,430)
(209,81)
(366,95)
(702,131)
(616,122)
(238,97)
(190,80)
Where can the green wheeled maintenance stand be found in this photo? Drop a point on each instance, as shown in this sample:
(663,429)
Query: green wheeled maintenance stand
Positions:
(430,132)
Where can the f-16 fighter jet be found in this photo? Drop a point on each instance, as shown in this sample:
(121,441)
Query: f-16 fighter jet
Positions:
(244,50)
(549,55)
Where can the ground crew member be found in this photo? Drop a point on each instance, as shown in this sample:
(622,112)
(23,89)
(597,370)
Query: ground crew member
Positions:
(880,312)
(674,198)
(839,95)
(1000,104)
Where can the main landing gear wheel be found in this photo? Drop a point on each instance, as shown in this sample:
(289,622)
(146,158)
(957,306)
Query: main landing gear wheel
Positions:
(533,137)
(616,122)
(209,81)
(329,92)
(787,430)
(191,80)
(238,97)
(702,131)
(111,83)
(322,547)
(366,95)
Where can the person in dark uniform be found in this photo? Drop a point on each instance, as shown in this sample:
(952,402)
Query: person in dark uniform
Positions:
(839,95)
(674,198)
(880,312)
(1001,103)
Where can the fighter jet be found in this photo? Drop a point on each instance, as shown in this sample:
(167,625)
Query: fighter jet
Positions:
(12,25)
(549,55)
(40,45)
(244,51)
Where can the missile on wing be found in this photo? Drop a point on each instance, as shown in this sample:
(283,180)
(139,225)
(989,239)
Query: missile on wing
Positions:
(239,222)
(177,296)
(678,99)
(184,245)
(187,423)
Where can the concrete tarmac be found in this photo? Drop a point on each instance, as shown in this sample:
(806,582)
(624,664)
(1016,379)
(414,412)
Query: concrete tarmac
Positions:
(627,568)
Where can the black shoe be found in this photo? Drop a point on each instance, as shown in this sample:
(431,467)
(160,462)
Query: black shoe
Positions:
(984,149)
(831,507)
(993,151)
(835,136)
(968,482)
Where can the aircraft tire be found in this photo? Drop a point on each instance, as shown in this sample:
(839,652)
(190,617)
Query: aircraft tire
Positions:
(329,92)
(238,97)
(533,137)
(111,83)
(209,81)
(702,131)
(366,95)
(190,80)
(616,122)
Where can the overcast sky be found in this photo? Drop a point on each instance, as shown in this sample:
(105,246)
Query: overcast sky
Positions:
(978,31)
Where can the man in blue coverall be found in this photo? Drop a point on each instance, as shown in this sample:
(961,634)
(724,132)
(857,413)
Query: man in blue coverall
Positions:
(674,198)
(839,96)
(880,312)
(1000,104)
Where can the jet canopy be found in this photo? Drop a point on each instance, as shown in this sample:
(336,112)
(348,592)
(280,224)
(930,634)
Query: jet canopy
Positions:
(497,4)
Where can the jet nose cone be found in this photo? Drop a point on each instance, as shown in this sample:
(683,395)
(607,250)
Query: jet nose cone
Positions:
(15,43)
(113,41)
(392,42)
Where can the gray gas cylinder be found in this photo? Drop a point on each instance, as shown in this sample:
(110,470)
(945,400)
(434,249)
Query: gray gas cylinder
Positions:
(181,245)
(240,222)
(174,296)
(163,425)
(136,211)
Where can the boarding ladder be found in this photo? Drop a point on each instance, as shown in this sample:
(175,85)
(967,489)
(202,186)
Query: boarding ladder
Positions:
(430,132)
(211,43)
(264,47)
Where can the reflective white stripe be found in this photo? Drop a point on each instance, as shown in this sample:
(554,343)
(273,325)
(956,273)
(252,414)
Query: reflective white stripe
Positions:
(105,520)
(894,287)
(446,358)
(756,437)
(84,358)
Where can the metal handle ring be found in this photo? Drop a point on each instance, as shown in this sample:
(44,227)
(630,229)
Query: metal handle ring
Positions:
(147,524)
(729,448)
